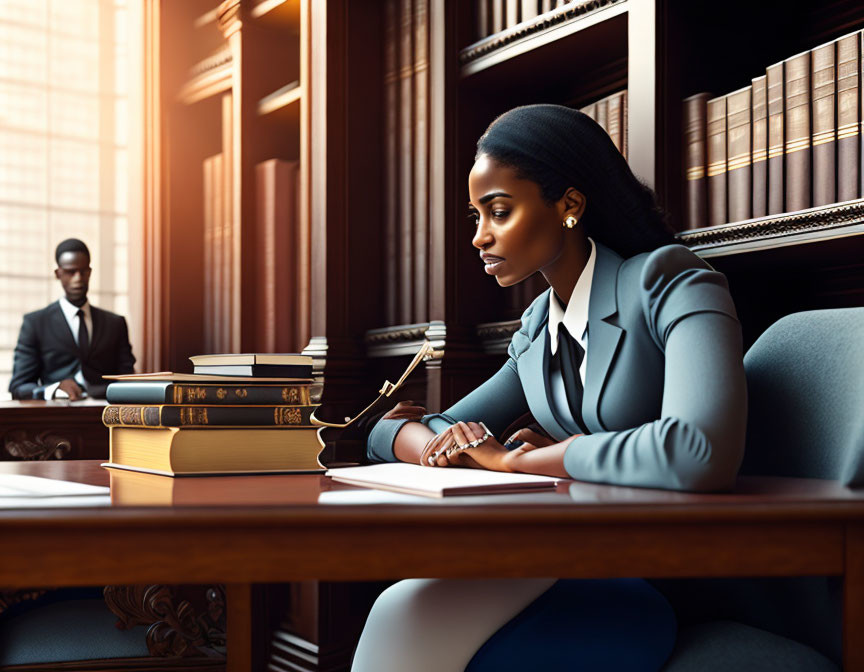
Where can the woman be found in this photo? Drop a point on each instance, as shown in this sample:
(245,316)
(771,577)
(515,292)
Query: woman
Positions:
(631,362)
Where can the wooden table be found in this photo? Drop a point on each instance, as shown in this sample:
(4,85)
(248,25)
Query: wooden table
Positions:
(52,430)
(245,530)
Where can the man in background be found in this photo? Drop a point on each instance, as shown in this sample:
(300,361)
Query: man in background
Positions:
(64,349)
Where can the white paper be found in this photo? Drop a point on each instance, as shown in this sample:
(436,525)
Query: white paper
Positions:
(16,485)
(434,480)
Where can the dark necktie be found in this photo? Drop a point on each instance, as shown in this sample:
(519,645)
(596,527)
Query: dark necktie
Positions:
(83,336)
(571,354)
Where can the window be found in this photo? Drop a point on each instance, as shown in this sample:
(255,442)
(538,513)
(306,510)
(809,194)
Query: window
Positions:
(63,153)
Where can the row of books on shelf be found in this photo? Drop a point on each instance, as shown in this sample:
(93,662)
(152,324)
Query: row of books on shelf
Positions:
(493,16)
(611,113)
(235,414)
(790,140)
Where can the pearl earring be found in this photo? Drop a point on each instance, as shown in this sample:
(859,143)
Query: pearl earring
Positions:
(570,221)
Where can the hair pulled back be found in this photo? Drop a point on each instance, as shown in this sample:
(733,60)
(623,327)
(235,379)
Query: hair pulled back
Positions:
(558,147)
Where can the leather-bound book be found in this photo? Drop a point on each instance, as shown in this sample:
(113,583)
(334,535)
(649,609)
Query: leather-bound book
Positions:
(849,117)
(716,139)
(512,13)
(615,120)
(207,416)
(498,19)
(695,160)
(775,86)
(529,9)
(759,168)
(824,142)
(738,142)
(797,146)
(602,110)
(166,392)
(626,122)
(482,17)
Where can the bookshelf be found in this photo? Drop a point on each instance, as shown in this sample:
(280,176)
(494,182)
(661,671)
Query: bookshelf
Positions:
(227,95)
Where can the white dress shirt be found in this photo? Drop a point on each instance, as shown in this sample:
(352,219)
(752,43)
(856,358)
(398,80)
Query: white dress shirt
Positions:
(70,312)
(575,318)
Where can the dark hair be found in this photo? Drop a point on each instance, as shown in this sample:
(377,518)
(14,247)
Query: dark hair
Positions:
(558,147)
(71,245)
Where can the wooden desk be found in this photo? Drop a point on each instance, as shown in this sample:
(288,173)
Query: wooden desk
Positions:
(53,430)
(245,530)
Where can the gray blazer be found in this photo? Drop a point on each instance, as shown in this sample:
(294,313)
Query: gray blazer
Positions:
(665,401)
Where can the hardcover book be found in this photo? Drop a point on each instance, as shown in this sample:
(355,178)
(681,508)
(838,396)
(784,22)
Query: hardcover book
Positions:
(776,137)
(760,147)
(207,416)
(257,370)
(695,159)
(716,138)
(162,392)
(738,172)
(250,359)
(824,137)
(849,117)
(173,451)
(797,145)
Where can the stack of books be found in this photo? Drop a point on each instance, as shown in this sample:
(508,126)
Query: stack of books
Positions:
(248,413)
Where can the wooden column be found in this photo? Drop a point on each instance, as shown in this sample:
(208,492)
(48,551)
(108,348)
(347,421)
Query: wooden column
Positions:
(342,201)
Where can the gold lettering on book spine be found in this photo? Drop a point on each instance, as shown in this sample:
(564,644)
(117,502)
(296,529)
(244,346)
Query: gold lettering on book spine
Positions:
(287,416)
(290,395)
(221,393)
(111,415)
(193,416)
(240,393)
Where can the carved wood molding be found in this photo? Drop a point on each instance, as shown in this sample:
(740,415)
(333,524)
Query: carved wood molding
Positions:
(175,626)
(21,444)
(9,598)
(823,220)
(406,339)
(543,22)
(495,336)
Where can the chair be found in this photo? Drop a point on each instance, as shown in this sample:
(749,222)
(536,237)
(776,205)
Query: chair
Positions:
(805,379)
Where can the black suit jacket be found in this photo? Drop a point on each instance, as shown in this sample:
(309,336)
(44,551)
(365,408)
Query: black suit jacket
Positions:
(46,352)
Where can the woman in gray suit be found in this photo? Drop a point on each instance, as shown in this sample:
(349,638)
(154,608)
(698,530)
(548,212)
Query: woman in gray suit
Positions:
(631,363)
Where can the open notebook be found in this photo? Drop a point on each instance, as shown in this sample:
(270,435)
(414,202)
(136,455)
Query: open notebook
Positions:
(439,482)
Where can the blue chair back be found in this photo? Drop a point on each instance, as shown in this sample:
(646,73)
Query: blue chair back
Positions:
(805,380)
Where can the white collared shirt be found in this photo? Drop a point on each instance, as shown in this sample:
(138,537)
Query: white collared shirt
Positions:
(70,312)
(575,319)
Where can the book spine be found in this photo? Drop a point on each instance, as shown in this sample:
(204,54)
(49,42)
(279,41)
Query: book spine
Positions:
(614,120)
(497,16)
(512,13)
(481,16)
(716,139)
(258,371)
(738,172)
(760,147)
(207,416)
(603,114)
(529,10)
(695,161)
(848,117)
(824,138)
(797,148)
(138,393)
(776,133)
(625,124)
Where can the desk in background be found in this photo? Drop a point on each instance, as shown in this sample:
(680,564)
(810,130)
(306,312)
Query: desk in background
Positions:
(53,430)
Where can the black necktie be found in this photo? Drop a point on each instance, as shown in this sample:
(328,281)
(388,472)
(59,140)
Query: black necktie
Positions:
(571,354)
(83,336)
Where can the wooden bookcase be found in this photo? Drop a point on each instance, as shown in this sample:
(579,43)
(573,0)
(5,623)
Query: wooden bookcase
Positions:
(225,95)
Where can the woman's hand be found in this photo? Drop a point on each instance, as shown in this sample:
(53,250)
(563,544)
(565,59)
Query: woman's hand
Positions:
(530,439)
(405,410)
